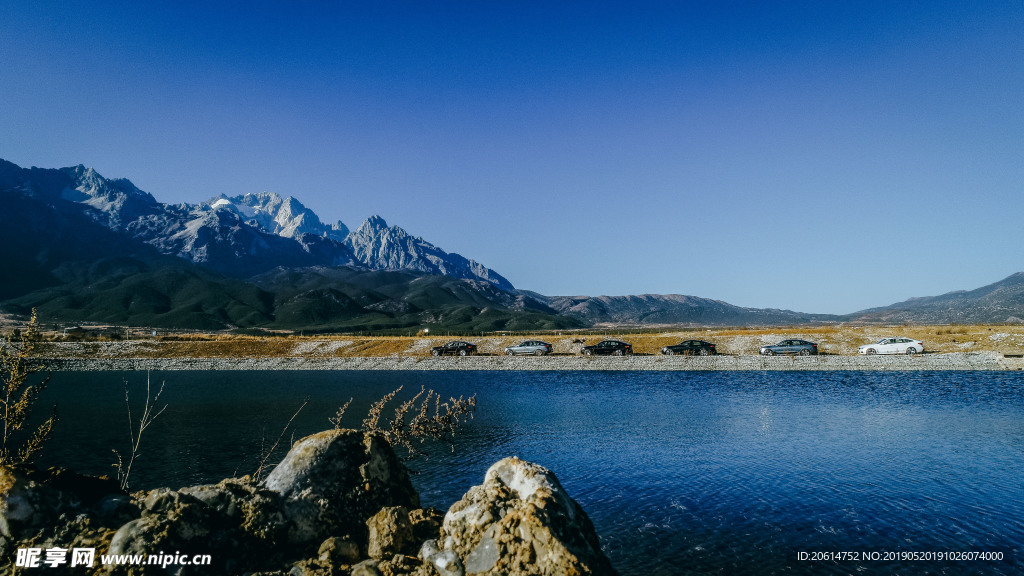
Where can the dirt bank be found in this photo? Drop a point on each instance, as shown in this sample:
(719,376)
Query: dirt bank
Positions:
(947,361)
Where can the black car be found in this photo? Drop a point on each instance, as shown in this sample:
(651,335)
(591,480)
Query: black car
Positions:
(801,347)
(456,348)
(608,348)
(691,348)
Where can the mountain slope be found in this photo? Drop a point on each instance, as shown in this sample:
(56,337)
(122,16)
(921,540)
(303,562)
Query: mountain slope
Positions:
(163,293)
(43,241)
(672,309)
(999,302)
(68,263)
(346,298)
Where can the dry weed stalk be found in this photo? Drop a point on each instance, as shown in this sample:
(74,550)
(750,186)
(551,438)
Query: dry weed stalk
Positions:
(373,416)
(18,398)
(147,418)
(258,474)
(336,419)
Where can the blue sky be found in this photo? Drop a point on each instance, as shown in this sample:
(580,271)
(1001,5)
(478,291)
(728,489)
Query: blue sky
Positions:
(815,156)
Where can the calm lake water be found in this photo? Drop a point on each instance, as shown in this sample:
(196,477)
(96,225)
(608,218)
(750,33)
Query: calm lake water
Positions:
(682,473)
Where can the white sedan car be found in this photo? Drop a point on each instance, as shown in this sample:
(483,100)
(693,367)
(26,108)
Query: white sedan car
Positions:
(893,346)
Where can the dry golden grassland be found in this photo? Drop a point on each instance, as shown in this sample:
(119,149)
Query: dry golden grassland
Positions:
(832,339)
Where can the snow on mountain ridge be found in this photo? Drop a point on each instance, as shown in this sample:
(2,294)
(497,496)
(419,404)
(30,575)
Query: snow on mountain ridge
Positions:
(285,217)
(386,247)
(116,202)
(249,233)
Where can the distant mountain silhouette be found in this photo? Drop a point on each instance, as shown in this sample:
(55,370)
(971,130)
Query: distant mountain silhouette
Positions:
(82,248)
(1000,302)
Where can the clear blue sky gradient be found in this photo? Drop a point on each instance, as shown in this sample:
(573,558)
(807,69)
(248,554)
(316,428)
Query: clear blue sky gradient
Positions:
(816,156)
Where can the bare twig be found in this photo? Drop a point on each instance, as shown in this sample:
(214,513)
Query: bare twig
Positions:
(148,416)
(258,475)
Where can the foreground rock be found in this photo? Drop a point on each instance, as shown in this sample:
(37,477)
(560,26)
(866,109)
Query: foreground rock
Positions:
(340,503)
(331,482)
(519,521)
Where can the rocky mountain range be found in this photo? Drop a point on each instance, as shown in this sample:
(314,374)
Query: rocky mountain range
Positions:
(238,236)
(81,247)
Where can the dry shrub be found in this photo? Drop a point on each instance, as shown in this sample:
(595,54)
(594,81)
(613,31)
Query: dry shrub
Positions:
(432,419)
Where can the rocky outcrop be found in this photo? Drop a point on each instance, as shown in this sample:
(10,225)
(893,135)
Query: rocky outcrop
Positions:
(520,521)
(35,503)
(331,482)
(390,533)
(340,503)
(237,522)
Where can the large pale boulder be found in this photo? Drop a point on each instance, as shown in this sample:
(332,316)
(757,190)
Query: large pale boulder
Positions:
(520,521)
(331,482)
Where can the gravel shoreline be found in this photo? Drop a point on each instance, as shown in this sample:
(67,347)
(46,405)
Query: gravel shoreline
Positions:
(949,361)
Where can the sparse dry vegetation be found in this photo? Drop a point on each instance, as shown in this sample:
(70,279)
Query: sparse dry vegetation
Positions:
(431,420)
(20,444)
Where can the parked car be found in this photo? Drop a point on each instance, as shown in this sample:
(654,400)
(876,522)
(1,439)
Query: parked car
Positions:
(456,348)
(801,347)
(608,347)
(893,346)
(691,348)
(532,347)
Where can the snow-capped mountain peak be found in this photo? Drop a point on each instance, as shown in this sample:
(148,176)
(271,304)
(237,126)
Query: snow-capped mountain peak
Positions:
(116,202)
(385,247)
(286,217)
(223,203)
(374,222)
(245,234)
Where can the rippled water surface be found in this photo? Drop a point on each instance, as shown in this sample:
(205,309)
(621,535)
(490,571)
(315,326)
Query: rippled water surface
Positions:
(682,473)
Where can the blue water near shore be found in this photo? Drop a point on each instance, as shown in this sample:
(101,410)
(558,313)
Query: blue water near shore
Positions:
(682,473)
